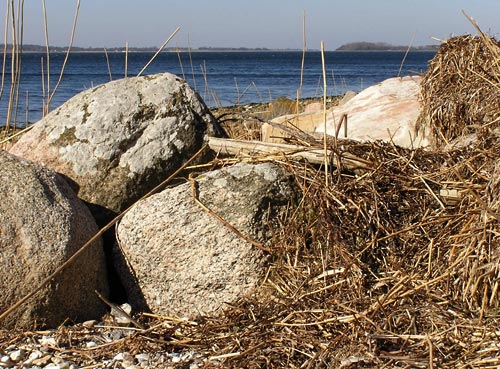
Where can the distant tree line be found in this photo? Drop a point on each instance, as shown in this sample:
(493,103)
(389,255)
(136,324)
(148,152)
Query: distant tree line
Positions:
(210,48)
(43,48)
(383,46)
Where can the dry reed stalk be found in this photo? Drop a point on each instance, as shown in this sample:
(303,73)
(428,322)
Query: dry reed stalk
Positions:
(20,38)
(120,311)
(304,49)
(27,110)
(325,145)
(406,54)
(335,90)
(14,65)
(258,92)
(206,90)
(194,195)
(244,91)
(191,61)
(6,33)
(180,63)
(126,59)
(107,64)
(46,107)
(492,46)
(42,74)
(458,89)
(237,91)
(66,57)
(159,51)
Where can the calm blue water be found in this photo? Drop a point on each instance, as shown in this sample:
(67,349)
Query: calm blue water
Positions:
(225,78)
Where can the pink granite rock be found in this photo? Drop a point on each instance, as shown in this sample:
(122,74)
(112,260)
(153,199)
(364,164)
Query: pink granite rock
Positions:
(386,111)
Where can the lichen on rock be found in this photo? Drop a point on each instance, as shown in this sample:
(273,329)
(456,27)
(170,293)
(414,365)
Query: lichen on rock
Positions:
(136,130)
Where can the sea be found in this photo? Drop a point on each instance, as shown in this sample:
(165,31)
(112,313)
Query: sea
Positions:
(221,78)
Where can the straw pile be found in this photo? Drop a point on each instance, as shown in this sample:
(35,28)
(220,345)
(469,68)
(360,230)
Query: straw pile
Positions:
(460,91)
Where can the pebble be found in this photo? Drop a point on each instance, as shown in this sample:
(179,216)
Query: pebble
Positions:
(118,357)
(17,355)
(42,351)
(48,341)
(116,335)
(5,362)
(52,366)
(89,323)
(141,358)
(32,357)
(62,364)
(91,344)
(42,361)
(118,317)
(125,359)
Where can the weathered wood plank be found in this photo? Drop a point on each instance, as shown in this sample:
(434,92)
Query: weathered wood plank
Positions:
(232,147)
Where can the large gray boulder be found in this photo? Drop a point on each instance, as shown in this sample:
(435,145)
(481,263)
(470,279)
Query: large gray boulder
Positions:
(176,259)
(43,223)
(120,139)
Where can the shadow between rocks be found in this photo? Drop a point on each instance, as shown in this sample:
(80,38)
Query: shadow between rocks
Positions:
(123,283)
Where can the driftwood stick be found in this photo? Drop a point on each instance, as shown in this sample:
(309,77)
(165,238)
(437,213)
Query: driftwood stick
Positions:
(257,148)
(119,311)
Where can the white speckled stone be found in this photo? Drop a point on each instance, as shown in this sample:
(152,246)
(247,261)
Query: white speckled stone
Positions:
(118,140)
(188,263)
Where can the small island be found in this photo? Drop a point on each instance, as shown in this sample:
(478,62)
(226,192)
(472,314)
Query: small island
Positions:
(383,46)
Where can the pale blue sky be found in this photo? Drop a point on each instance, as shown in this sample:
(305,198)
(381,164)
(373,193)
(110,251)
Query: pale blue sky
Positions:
(255,23)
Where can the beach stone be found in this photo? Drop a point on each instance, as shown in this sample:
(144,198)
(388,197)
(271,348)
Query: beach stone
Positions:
(34,355)
(347,97)
(120,139)
(6,362)
(17,355)
(387,112)
(176,259)
(313,107)
(43,223)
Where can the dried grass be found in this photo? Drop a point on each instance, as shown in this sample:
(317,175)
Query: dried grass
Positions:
(461,89)
(376,270)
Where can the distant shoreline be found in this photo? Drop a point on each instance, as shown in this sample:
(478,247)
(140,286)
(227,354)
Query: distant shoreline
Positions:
(350,47)
(28,48)
(101,51)
(382,46)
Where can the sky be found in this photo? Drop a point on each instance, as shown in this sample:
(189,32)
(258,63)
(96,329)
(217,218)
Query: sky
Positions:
(253,23)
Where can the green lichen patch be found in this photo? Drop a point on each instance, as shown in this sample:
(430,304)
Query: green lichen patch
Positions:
(67,137)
